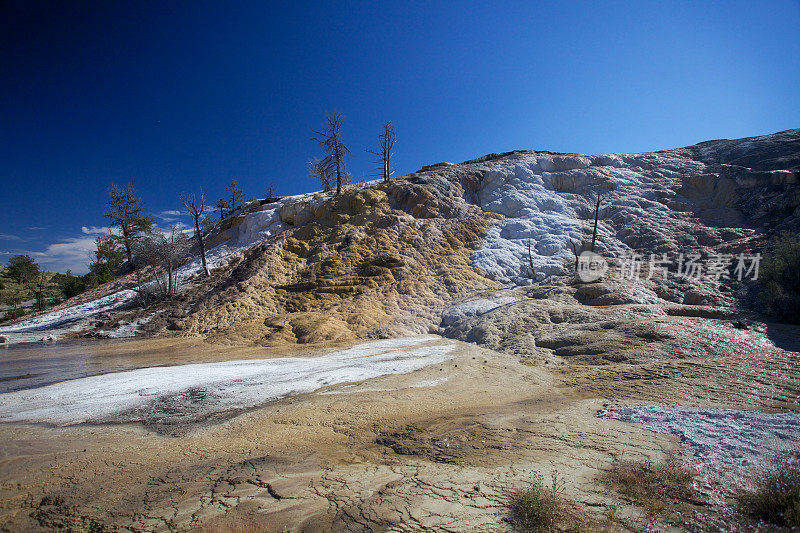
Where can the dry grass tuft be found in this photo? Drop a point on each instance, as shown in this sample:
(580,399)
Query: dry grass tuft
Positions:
(774,494)
(538,508)
(234,522)
(658,487)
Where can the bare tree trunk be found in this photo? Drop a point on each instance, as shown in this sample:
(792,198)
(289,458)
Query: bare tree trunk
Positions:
(196,207)
(530,261)
(331,139)
(596,214)
(126,239)
(202,245)
(169,279)
(338,174)
(577,254)
(384,153)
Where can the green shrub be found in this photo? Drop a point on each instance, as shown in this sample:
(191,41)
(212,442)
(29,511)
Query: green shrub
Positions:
(779,278)
(774,495)
(536,508)
(10,315)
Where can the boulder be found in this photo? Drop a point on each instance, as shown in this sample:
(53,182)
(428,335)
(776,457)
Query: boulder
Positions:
(692,297)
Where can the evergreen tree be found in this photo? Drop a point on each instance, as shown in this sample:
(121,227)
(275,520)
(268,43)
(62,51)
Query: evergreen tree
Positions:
(22,268)
(125,213)
(234,197)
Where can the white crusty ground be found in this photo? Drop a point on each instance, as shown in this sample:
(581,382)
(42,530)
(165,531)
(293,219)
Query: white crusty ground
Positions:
(549,200)
(726,445)
(196,391)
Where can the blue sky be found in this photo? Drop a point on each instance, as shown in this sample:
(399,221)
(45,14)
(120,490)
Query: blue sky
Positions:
(178,95)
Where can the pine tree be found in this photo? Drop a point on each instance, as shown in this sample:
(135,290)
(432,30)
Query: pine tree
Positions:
(222,206)
(125,212)
(235,196)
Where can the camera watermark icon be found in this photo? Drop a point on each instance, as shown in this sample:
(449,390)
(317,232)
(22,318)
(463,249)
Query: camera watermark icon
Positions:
(591,266)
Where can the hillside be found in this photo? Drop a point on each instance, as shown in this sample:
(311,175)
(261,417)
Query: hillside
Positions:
(408,355)
(388,259)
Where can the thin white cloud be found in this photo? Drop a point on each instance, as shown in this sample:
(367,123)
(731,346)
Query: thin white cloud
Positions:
(37,228)
(74,253)
(95,230)
(23,252)
(170,213)
(7,237)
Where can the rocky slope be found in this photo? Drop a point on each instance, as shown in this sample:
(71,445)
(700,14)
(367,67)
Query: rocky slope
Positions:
(426,433)
(388,259)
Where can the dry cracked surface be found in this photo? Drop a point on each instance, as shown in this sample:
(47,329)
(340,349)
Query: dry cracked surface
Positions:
(440,448)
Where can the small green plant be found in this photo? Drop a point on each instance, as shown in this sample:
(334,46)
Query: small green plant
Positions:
(536,508)
(779,278)
(774,495)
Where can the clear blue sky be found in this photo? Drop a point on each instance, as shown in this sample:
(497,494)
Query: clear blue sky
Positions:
(178,95)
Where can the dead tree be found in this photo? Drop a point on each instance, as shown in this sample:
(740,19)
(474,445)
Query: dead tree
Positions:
(173,246)
(596,216)
(384,153)
(196,206)
(320,170)
(162,252)
(603,189)
(530,261)
(576,252)
(330,137)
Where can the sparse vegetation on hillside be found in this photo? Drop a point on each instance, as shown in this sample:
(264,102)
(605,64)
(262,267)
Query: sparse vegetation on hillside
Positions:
(780,278)
(25,287)
(537,508)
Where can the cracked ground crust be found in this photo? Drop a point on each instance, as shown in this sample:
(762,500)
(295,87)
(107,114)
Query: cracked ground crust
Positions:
(321,461)
(393,453)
